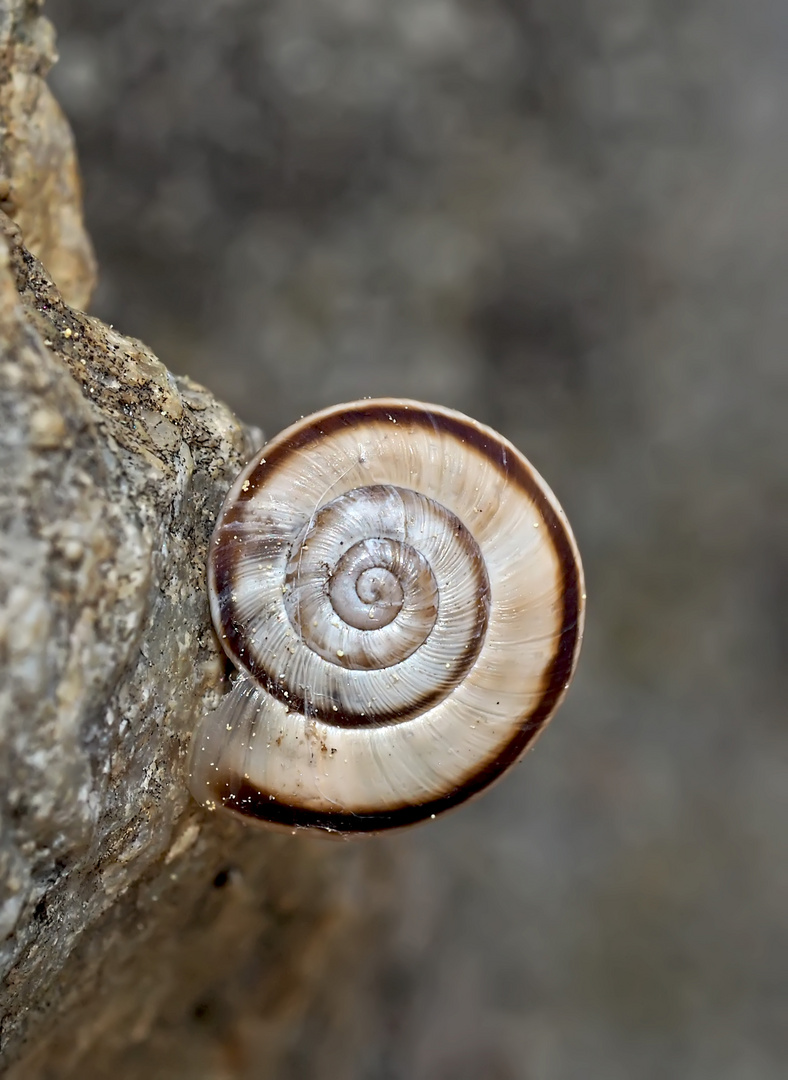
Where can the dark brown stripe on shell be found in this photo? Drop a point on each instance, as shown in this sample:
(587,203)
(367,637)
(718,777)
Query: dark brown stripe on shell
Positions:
(462,429)
(252,803)
(223,566)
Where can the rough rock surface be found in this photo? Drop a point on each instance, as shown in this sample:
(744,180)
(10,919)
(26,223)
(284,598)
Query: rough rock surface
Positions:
(131,924)
(39,179)
(112,923)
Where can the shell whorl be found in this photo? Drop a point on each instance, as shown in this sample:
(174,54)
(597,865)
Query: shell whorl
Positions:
(403,597)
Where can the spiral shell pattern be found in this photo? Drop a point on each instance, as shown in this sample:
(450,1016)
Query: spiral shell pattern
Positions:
(403,598)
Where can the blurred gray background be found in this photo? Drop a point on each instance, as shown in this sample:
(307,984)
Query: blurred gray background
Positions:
(569,219)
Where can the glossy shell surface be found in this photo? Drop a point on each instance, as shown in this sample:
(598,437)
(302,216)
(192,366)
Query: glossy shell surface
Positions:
(403,598)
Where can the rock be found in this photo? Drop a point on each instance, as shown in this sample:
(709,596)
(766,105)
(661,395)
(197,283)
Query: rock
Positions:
(123,908)
(39,178)
(137,933)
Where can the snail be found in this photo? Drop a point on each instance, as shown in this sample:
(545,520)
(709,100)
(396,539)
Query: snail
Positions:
(403,599)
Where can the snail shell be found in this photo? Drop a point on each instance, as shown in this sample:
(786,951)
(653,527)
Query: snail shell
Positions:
(403,598)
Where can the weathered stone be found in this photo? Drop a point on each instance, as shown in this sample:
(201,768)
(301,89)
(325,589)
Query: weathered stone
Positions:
(39,178)
(125,913)
(131,925)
